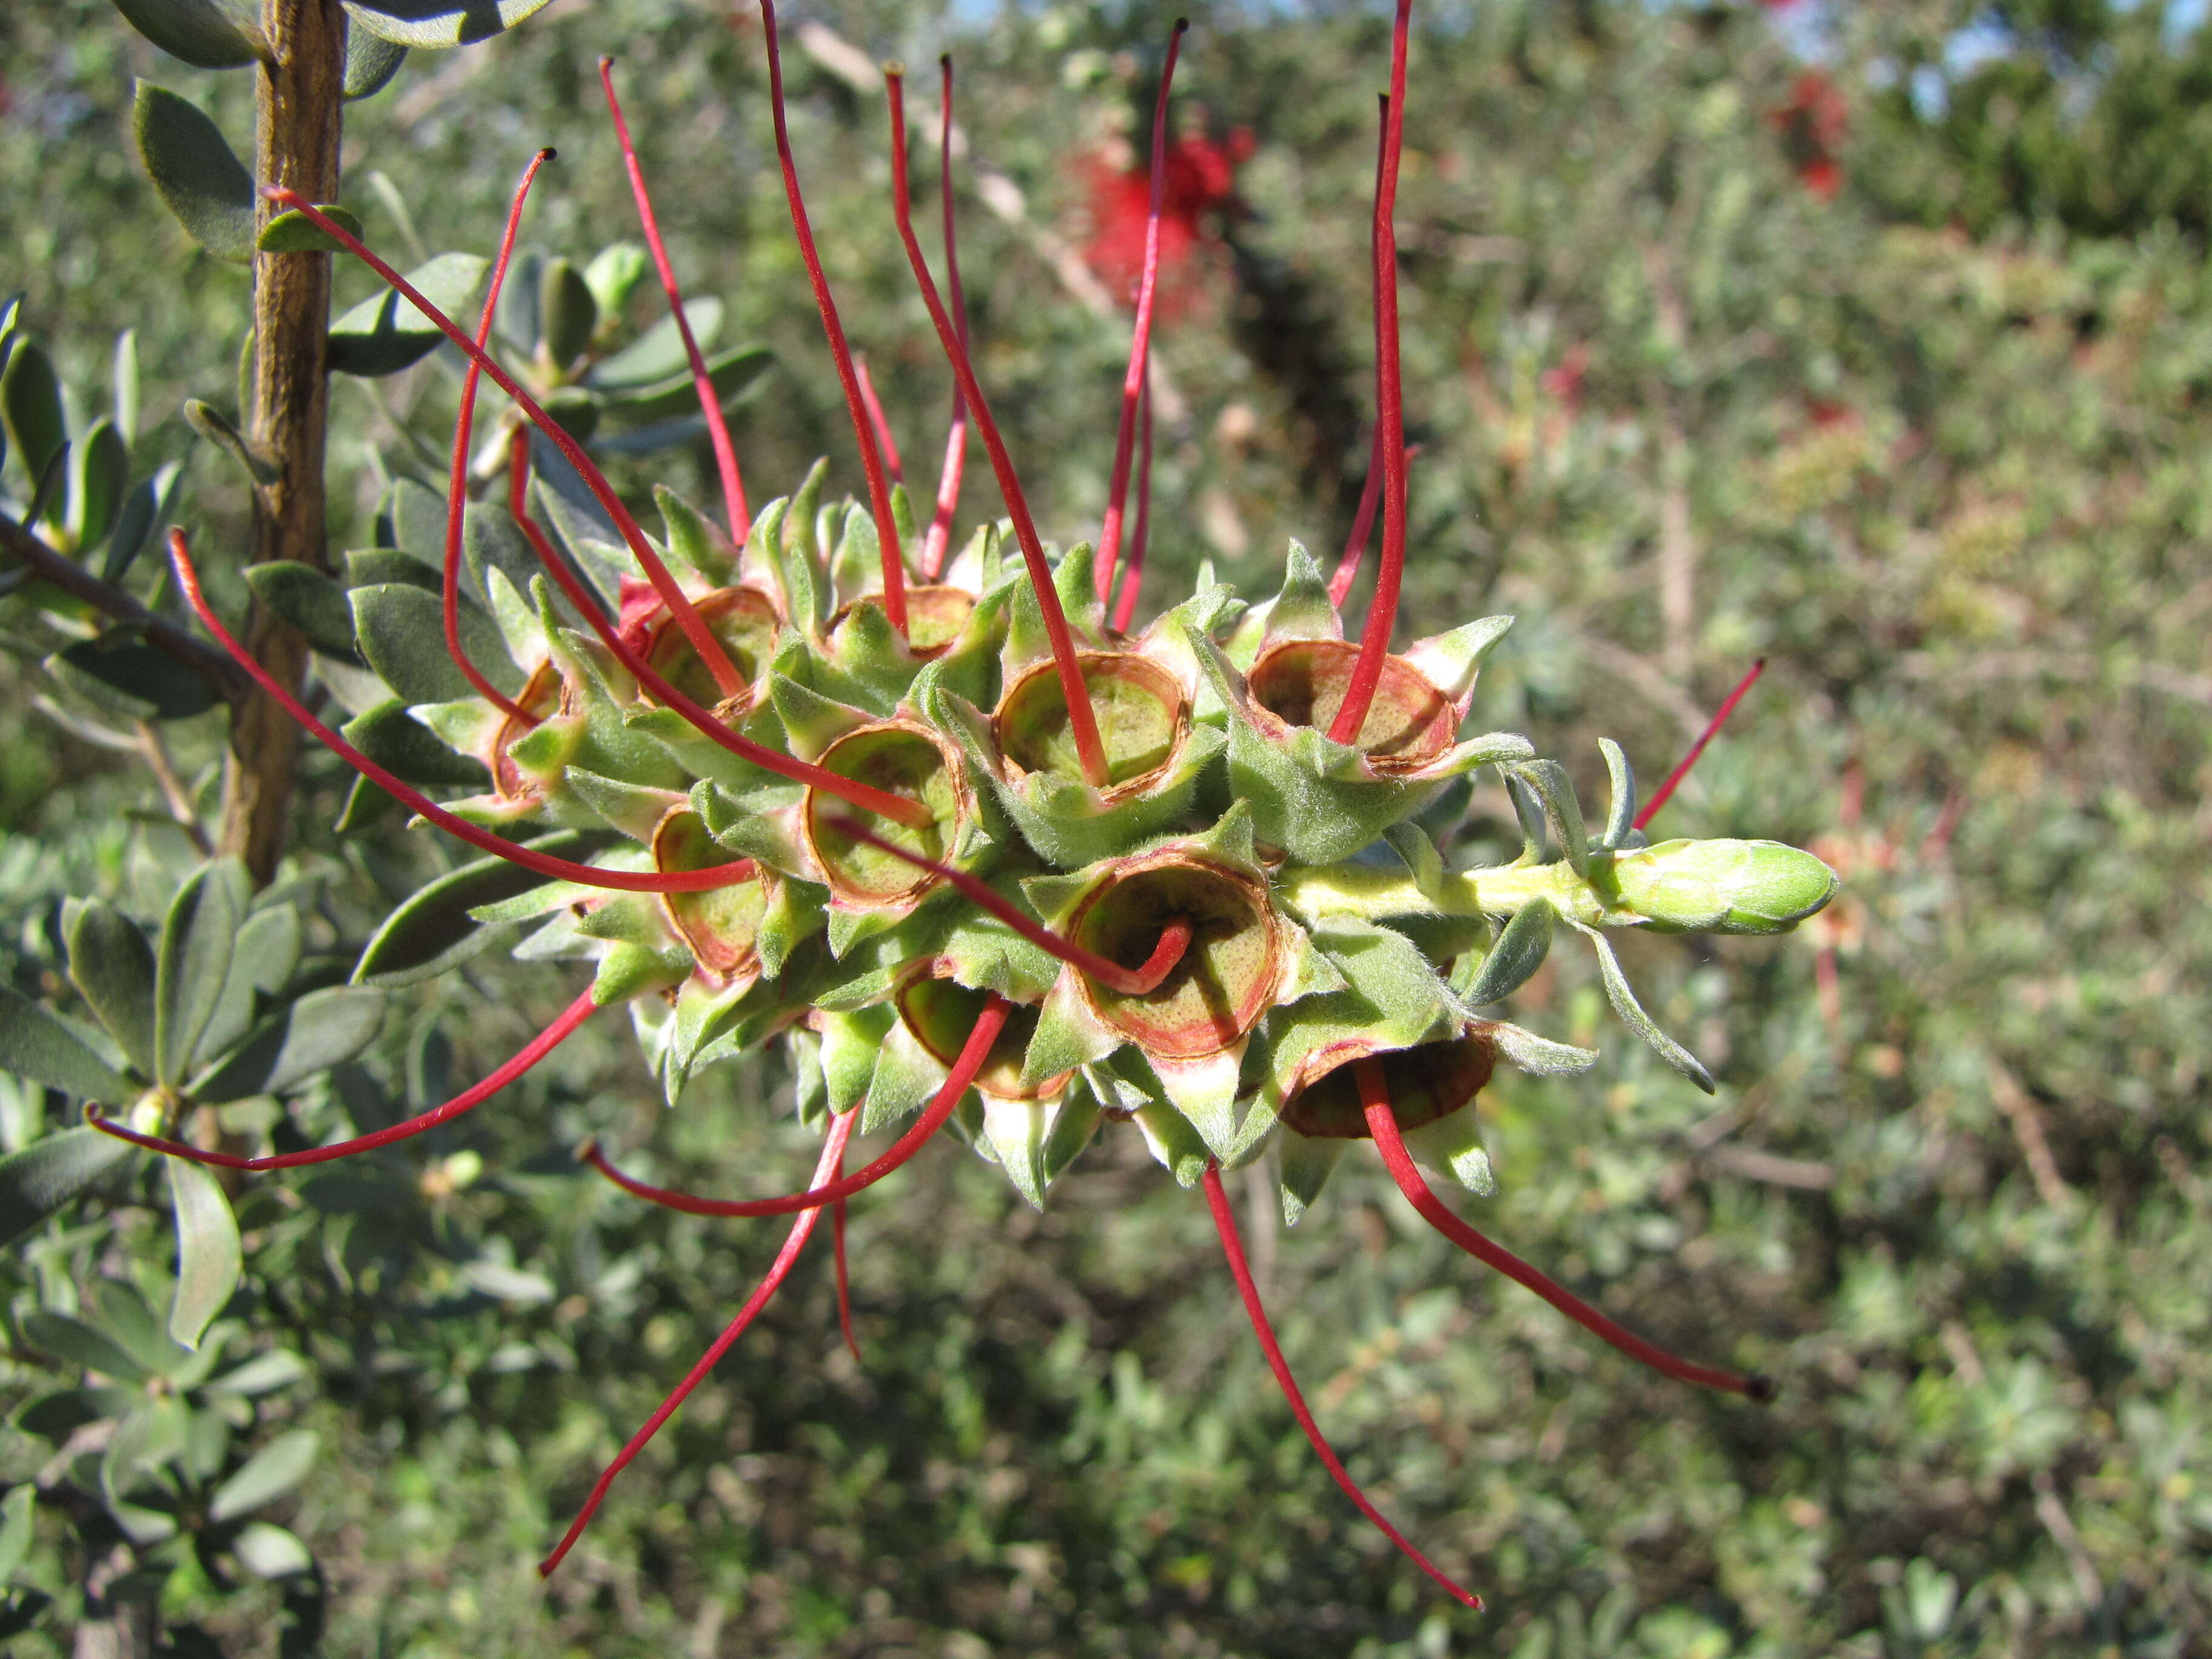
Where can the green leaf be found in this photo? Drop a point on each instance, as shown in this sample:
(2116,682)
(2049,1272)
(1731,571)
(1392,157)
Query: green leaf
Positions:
(1521,947)
(195,173)
(47,1173)
(371,62)
(401,744)
(35,1044)
(15,1529)
(269,1551)
(293,232)
(99,473)
(194,957)
(269,1474)
(304,597)
(315,1033)
(1633,1016)
(432,930)
(1620,813)
(112,966)
(568,314)
(439,23)
(83,1344)
(31,403)
(402,632)
(385,334)
(218,429)
(209,1259)
(268,951)
(148,506)
(658,354)
(732,372)
(265,1373)
(123,372)
(613,276)
(131,678)
(205,33)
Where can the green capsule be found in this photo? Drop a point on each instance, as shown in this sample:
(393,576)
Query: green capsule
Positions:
(1721,886)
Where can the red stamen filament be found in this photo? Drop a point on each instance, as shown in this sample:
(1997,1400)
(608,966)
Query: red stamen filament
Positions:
(837,1221)
(939,539)
(869,798)
(1133,579)
(879,494)
(1383,1124)
(680,607)
(877,420)
(710,402)
(841,1128)
(1175,939)
(1363,524)
(965,1065)
(585,875)
(1140,341)
(1083,725)
(1390,408)
(1673,779)
(1232,1246)
(540,1046)
(457,488)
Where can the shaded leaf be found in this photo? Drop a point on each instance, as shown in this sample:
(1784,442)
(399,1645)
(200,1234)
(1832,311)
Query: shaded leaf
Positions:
(99,473)
(193,960)
(31,403)
(568,314)
(304,597)
(315,1033)
(439,23)
(131,678)
(111,965)
(1522,944)
(47,1173)
(400,743)
(432,930)
(82,1345)
(269,1474)
(205,33)
(36,1045)
(385,334)
(209,1258)
(144,509)
(371,62)
(197,177)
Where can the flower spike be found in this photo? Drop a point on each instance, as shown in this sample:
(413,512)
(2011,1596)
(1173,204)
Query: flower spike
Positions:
(877,420)
(973,1054)
(544,864)
(695,627)
(539,1046)
(833,1150)
(1140,341)
(457,488)
(710,402)
(938,537)
(1389,398)
(1175,938)
(1712,728)
(1383,1124)
(1083,723)
(1232,1246)
(879,494)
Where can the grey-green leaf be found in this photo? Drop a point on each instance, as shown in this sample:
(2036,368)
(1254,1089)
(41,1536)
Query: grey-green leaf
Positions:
(197,177)
(1521,947)
(112,966)
(371,62)
(568,314)
(82,1345)
(432,930)
(1633,1016)
(304,597)
(315,1033)
(401,631)
(1621,814)
(205,33)
(385,333)
(209,1258)
(269,1474)
(47,1173)
(404,746)
(439,22)
(35,1044)
(194,958)
(658,354)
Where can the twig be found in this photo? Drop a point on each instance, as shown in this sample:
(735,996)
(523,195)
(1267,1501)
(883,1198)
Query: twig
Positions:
(2028,1127)
(2052,1511)
(1753,1164)
(162,635)
(173,789)
(2078,667)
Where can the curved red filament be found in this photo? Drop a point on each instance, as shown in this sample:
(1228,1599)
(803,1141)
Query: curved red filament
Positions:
(833,1149)
(457,488)
(540,1046)
(1232,1246)
(1175,939)
(939,537)
(1132,578)
(1383,1124)
(965,1065)
(544,864)
(877,420)
(869,798)
(1140,340)
(837,1222)
(1669,784)
(879,494)
(680,607)
(710,401)
(1363,524)
(1390,406)
(1083,724)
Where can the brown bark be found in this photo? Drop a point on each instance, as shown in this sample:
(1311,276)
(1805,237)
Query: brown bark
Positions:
(296,145)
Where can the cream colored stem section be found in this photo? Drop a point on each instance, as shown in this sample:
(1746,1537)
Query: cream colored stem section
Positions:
(1375,895)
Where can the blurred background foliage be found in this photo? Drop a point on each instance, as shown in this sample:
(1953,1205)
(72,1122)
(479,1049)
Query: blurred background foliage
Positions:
(1876,339)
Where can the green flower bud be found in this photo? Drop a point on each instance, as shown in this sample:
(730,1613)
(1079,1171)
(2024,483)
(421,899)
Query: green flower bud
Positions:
(1721,886)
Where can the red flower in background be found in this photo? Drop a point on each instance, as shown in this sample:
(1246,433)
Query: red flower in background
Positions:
(1814,125)
(1200,180)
